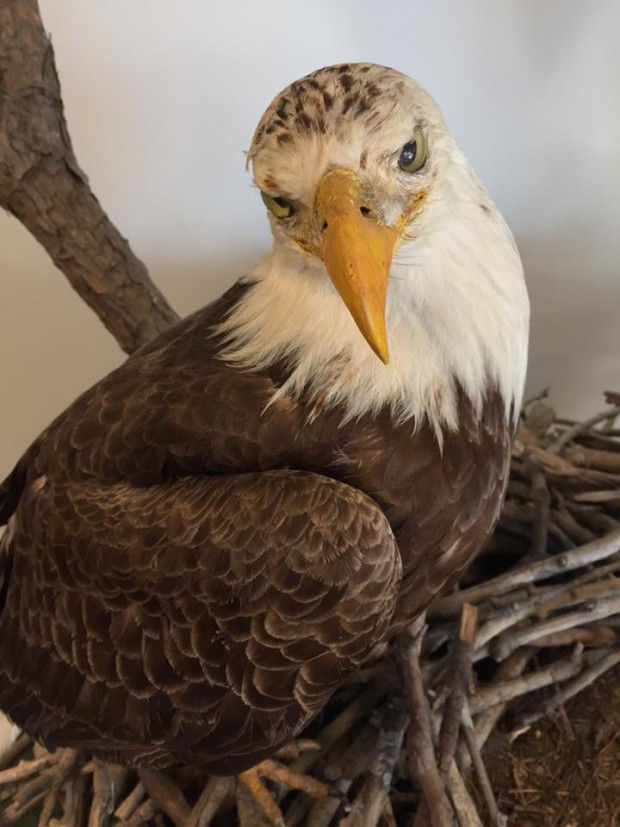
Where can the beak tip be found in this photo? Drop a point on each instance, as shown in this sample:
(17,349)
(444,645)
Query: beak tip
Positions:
(381,350)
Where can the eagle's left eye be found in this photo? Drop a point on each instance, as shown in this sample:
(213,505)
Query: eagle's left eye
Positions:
(280,207)
(413,154)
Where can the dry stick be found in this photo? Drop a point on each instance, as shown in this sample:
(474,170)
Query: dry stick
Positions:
(577,532)
(369,803)
(27,768)
(143,815)
(572,688)
(542,508)
(128,806)
(100,799)
(611,496)
(604,607)
(15,750)
(42,185)
(599,636)
(498,819)
(214,794)
(387,814)
(342,724)
(327,741)
(342,772)
(557,564)
(597,520)
(538,397)
(545,601)
(249,811)
(595,458)
(512,667)
(421,753)
(66,766)
(606,439)
(460,684)
(462,802)
(612,397)
(75,802)
(166,795)
(35,790)
(570,433)
(504,691)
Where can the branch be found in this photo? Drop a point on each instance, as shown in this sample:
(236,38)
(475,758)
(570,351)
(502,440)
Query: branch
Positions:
(531,573)
(421,752)
(42,185)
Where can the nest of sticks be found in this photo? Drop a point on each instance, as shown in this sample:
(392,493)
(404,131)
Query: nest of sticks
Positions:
(536,620)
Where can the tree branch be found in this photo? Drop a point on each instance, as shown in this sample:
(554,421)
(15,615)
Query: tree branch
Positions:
(43,186)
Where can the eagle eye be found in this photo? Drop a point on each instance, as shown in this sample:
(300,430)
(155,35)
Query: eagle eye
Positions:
(413,154)
(277,205)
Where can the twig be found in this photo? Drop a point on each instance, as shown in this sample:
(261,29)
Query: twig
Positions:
(422,764)
(166,795)
(128,806)
(545,600)
(512,667)
(368,806)
(558,564)
(570,433)
(13,752)
(67,765)
(108,780)
(505,691)
(462,802)
(27,797)
(25,769)
(75,802)
(342,724)
(342,772)
(597,636)
(215,793)
(542,508)
(538,397)
(101,801)
(576,531)
(387,814)
(569,690)
(460,683)
(142,815)
(249,812)
(497,818)
(603,607)
(584,457)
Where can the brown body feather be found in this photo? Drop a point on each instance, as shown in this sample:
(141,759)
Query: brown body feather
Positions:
(192,568)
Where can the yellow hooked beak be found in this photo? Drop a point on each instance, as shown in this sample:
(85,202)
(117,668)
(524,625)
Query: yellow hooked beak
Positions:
(357,253)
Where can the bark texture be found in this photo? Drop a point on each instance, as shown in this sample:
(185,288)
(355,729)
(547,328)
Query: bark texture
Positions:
(42,185)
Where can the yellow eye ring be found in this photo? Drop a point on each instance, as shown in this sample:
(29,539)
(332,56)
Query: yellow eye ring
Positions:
(413,154)
(280,207)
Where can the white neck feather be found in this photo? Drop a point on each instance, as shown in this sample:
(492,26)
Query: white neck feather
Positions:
(457,314)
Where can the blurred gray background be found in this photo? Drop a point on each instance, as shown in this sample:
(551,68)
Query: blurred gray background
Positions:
(162,98)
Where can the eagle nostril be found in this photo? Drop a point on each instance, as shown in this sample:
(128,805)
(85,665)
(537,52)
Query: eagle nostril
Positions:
(324,227)
(366,212)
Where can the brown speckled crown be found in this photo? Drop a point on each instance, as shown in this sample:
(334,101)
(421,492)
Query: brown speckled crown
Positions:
(328,100)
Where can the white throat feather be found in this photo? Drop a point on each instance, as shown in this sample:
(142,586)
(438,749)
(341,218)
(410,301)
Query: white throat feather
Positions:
(457,314)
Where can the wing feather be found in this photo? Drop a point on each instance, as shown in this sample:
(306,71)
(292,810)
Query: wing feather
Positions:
(259,624)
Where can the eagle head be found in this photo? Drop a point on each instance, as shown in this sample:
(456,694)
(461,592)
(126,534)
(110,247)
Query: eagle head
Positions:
(386,245)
